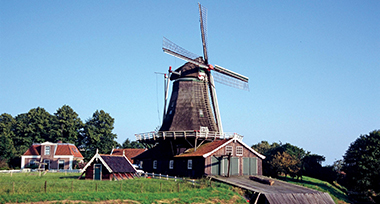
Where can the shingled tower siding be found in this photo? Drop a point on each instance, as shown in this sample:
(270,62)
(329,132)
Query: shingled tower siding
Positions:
(189,107)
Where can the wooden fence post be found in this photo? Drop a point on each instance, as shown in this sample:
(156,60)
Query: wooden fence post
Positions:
(45,186)
(177,187)
(13,187)
(96,187)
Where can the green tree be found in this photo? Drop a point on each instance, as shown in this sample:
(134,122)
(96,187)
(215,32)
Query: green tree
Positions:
(7,149)
(362,164)
(22,140)
(67,126)
(284,163)
(39,125)
(98,135)
(134,144)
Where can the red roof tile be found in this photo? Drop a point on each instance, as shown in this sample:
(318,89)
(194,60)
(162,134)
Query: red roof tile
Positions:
(203,149)
(62,149)
(33,150)
(129,153)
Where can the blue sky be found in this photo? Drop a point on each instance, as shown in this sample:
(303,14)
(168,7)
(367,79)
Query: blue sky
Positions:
(313,66)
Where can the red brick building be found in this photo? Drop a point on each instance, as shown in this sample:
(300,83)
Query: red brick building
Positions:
(53,156)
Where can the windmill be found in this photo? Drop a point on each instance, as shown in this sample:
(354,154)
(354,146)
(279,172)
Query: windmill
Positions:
(189,107)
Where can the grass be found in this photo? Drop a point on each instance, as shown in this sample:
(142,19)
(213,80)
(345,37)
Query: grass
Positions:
(60,187)
(336,191)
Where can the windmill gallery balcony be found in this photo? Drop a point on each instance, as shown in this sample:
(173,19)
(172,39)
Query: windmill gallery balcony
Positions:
(198,134)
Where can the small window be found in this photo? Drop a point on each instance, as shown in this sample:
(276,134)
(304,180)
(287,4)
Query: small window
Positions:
(171,164)
(47,150)
(155,164)
(190,164)
(61,164)
(201,113)
(229,150)
(239,151)
(32,162)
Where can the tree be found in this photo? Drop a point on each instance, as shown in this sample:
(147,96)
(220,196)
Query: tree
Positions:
(283,162)
(67,126)
(22,140)
(362,164)
(134,144)
(39,125)
(265,148)
(98,134)
(7,149)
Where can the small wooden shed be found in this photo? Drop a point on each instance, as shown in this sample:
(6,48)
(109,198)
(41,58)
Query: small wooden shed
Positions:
(109,167)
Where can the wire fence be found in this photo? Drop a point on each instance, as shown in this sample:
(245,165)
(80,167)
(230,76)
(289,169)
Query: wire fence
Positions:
(68,183)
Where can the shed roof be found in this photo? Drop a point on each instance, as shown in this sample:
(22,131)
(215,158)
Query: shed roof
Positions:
(208,149)
(280,192)
(113,163)
(118,163)
(129,153)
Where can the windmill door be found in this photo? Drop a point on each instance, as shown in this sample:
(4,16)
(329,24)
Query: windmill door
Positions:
(97,171)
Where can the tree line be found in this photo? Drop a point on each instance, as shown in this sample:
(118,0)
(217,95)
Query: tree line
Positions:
(18,133)
(358,171)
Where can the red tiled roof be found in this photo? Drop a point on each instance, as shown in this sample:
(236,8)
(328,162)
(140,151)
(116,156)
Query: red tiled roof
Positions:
(203,149)
(62,149)
(129,153)
(68,149)
(33,150)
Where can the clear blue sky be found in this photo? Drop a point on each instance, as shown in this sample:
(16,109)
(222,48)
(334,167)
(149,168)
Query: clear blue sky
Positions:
(313,66)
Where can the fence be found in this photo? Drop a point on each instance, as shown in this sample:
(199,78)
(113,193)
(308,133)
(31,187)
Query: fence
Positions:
(26,170)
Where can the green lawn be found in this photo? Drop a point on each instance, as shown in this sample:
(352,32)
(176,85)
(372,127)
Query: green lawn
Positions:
(31,187)
(336,191)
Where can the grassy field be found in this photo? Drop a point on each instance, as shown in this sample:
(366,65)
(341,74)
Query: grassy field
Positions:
(61,187)
(336,192)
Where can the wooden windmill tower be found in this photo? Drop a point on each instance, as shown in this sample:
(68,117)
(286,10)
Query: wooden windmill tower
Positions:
(192,115)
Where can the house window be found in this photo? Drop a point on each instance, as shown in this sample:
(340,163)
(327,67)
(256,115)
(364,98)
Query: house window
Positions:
(61,164)
(229,150)
(47,150)
(239,151)
(155,164)
(171,164)
(47,164)
(190,164)
(32,162)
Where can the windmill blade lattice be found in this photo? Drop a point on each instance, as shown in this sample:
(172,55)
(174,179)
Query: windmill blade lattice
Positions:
(203,24)
(230,81)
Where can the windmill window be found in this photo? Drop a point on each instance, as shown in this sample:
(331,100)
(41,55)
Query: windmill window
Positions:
(155,164)
(239,151)
(229,150)
(190,164)
(201,113)
(171,164)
